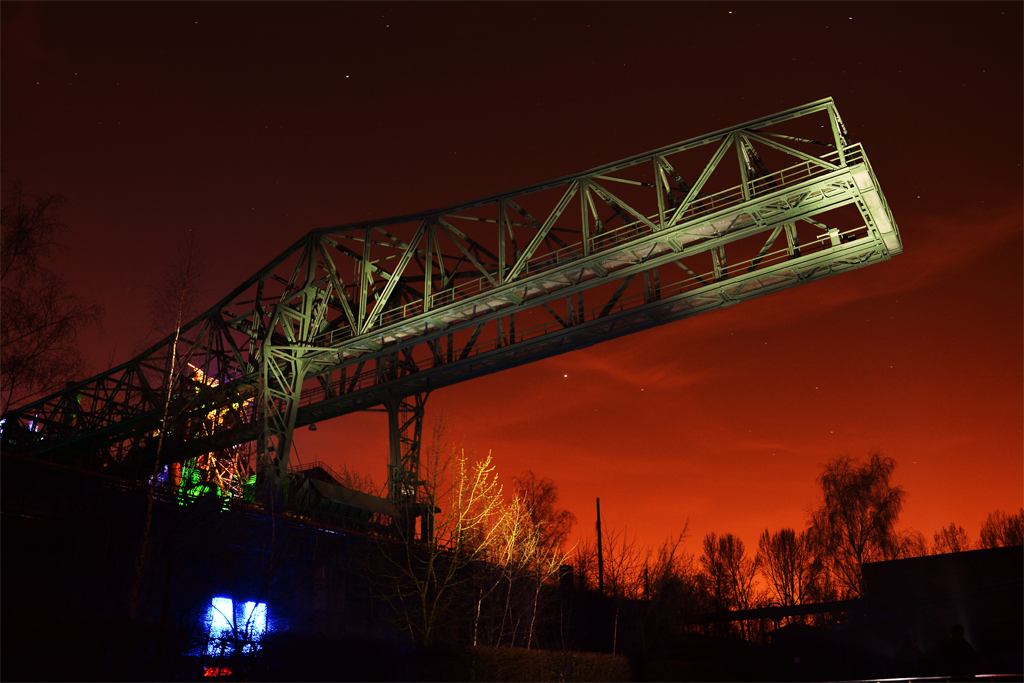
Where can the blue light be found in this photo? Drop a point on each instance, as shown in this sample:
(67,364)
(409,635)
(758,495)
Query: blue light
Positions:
(161,479)
(248,621)
(221,617)
(254,617)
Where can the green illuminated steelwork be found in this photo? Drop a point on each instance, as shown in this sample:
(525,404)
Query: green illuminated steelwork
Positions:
(192,486)
(249,489)
(380,313)
(196,483)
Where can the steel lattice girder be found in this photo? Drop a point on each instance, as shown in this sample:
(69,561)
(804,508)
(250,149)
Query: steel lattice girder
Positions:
(355,316)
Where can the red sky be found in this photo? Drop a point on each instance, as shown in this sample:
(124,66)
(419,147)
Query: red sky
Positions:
(254,123)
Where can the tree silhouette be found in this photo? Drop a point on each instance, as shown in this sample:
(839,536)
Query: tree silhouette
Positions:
(730,571)
(623,563)
(668,594)
(40,317)
(856,522)
(1001,530)
(951,539)
(730,574)
(786,559)
(358,481)
(545,528)
(551,524)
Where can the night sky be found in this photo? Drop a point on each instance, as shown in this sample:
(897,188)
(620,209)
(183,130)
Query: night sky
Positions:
(255,123)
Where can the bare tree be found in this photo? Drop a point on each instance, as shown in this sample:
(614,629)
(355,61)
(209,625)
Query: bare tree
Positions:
(423,580)
(731,575)
(173,299)
(508,563)
(666,569)
(584,563)
(519,559)
(911,543)
(856,521)
(551,524)
(545,530)
(786,560)
(951,539)
(623,564)
(667,578)
(622,559)
(731,572)
(358,481)
(651,589)
(1001,530)
(40,316)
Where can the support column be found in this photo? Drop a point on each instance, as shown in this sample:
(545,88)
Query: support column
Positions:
(405,488)
(283,372)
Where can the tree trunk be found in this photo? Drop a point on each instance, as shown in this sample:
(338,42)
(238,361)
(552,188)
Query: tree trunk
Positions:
(137,585)
(533,617)
(476,621)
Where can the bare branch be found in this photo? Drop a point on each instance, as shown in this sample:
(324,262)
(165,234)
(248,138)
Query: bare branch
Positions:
(40,317)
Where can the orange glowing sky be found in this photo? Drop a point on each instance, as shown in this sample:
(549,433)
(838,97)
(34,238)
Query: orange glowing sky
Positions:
(254,123)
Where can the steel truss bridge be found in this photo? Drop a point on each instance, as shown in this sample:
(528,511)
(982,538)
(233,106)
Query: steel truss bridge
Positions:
(379,313)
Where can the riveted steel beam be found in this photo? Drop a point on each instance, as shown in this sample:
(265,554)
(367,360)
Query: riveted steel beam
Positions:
(476,287)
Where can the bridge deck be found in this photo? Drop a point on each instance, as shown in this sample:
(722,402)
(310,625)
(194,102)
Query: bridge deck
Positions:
(350,317)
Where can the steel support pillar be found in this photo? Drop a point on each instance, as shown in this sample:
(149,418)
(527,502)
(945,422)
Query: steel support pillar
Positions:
(405,488)
(283,373)
(387,308)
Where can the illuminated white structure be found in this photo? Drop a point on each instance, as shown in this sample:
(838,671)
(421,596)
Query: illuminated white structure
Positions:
(227,625)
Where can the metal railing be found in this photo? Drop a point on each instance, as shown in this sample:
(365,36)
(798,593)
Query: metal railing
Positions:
(610,241)
(372,377)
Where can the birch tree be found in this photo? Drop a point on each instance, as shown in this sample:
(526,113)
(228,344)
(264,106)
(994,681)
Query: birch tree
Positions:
(425,582)
(547,527)
(171,303)
(857,519)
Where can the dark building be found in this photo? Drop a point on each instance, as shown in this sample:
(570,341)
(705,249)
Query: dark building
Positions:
(914,603)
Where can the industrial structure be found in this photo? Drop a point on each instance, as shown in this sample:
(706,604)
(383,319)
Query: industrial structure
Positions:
(376,315)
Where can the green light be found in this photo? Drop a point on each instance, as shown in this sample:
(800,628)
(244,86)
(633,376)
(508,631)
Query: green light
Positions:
(192,486)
